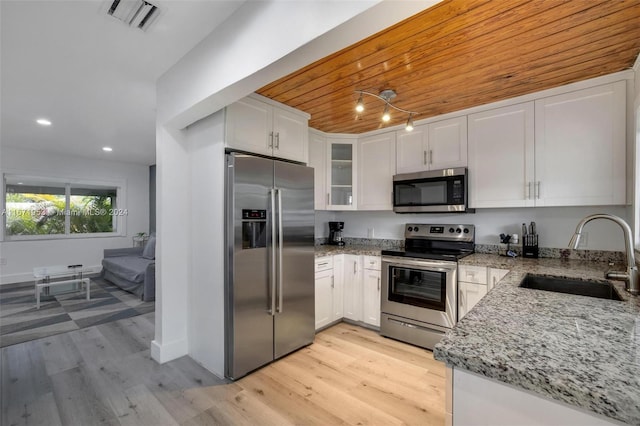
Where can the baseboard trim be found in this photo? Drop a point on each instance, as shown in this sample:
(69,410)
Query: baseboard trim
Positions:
(169,351)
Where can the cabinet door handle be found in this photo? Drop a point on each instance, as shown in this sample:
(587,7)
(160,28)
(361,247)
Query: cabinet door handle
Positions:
(271,140)
(538,189)
(424,160)
(378,283)
(354,267)
(332,281)
(527,190)
(277,140)
(328,199)
(530,194)
(430,156)
(323,263)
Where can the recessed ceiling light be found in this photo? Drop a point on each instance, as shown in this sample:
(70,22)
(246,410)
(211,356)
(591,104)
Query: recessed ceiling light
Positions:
(20,183)
(43,122)
(107,149)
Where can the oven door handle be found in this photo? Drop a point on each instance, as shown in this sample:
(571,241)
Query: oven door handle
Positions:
(421,264)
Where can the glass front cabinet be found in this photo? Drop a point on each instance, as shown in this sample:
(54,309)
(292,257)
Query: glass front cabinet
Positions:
(341,174)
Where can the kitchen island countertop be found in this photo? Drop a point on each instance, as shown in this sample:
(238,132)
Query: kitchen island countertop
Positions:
(579,350)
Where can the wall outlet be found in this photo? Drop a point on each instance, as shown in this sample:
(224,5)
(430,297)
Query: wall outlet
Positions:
(370,233)
(3,261)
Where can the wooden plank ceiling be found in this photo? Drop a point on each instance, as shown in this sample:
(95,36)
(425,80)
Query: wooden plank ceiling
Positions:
(461,53)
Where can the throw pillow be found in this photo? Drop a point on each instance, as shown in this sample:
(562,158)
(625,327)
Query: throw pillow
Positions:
(149,251)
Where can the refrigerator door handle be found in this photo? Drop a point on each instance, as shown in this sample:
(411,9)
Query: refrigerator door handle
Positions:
(280,243)
(272,278)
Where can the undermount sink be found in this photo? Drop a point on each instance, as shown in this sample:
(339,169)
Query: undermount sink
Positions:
(599,289)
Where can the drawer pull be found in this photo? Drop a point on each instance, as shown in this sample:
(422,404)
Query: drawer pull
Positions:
(324,263)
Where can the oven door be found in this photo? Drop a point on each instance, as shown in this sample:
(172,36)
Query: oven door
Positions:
(420,289)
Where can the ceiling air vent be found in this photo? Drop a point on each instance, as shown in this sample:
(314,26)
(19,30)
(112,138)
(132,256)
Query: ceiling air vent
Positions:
(135,13)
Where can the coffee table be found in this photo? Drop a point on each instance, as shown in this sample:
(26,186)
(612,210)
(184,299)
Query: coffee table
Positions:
(43,279)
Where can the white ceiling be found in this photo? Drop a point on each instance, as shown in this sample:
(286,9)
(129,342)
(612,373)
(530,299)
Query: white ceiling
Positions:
(90,74)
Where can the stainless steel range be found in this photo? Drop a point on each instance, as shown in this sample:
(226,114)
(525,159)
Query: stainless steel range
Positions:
(419,292)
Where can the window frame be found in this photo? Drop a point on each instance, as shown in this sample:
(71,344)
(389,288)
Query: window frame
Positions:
(119,221)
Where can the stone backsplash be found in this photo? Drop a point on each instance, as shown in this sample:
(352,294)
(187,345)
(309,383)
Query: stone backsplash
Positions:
(558,253)
(617,257)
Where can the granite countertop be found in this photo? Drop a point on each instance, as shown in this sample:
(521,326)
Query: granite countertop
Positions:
(579,350)
(329,250)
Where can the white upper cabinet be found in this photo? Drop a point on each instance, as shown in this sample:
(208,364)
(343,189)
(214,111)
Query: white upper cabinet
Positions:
(432,146)
(580,147)
(448,143)
(376,167)
(290,133)
(564,150)
(342,174)
(263,128)
(501,143)
(318,160)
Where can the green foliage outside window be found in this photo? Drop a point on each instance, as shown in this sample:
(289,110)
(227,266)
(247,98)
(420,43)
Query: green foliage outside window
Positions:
(44,214)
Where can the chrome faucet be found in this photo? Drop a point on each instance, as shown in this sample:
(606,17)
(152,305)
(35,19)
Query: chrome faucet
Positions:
(630,276)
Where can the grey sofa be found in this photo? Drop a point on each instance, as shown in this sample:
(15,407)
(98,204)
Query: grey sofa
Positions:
(129,270)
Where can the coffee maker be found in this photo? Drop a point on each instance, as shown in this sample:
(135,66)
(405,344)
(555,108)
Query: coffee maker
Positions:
(335,233)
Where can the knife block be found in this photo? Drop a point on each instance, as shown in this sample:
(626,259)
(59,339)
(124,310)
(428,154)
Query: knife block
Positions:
(530,246)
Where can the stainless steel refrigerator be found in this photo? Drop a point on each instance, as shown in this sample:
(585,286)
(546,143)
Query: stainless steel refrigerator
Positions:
(269,288)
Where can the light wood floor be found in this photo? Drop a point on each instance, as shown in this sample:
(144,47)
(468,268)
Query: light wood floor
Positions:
(104,375)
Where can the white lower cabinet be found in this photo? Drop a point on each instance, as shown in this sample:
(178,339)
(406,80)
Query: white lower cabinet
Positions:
(474,282)
(371,289)
(324,297)
(353,287)
(338,287)
(469,294)
(328,290)
(347,286)
(494,275)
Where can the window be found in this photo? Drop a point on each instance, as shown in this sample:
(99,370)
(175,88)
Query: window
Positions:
(49,207)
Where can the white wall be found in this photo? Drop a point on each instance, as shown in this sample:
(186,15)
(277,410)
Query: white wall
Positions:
(555,225)
(22,256)
(206,292)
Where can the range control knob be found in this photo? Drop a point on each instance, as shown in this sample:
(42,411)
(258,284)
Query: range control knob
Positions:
(466,231)
(416,229)
(458,230)
(410,229)
(451,230)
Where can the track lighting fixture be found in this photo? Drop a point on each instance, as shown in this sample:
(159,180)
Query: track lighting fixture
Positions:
(386,96)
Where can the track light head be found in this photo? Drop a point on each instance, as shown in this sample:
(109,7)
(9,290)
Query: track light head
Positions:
(409,126)
(360,104)
(386,115)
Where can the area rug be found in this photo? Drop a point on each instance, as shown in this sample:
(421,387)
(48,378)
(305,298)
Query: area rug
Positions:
(20,321)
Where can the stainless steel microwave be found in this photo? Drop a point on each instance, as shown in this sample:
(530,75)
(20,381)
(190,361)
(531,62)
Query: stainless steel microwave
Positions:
(435,191)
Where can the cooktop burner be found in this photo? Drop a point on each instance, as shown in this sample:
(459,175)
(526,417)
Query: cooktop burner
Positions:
(428,254)
(436,241)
